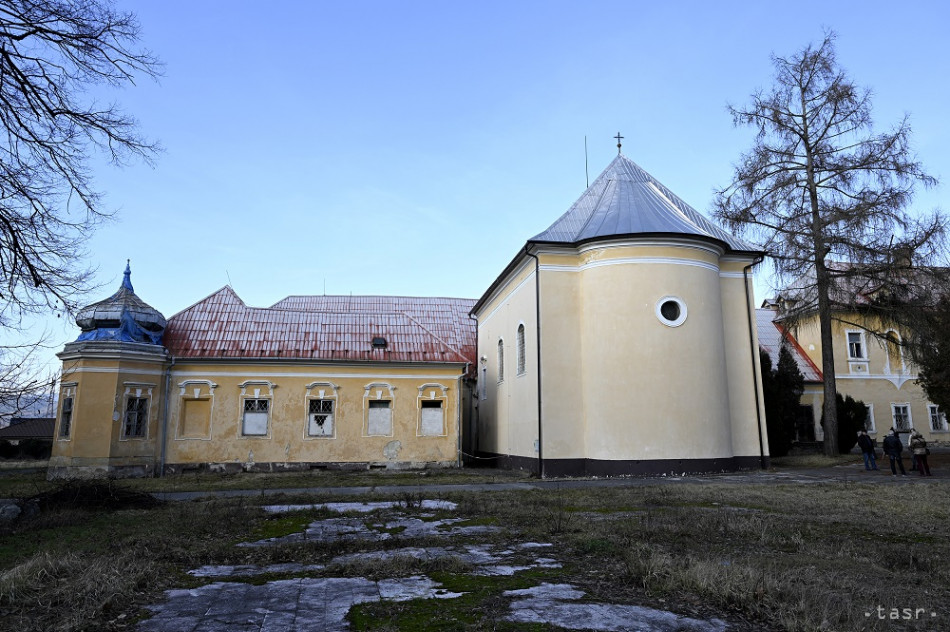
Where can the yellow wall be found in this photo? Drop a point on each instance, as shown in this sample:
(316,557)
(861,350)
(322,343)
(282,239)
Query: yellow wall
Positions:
(285,387)
(619,384)
(879,381)
(101,376)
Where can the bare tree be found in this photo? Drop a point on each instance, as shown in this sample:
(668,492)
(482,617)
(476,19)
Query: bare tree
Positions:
(52,54)
(54,57)
(825,196)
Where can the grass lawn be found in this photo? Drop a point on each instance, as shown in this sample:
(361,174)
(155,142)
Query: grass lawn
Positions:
(765,556)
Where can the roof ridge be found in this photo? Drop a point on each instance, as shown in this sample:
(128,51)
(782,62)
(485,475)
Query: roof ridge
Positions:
(437,337)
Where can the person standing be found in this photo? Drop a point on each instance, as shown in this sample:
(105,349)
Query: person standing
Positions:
(919,447)
(867,450)
(893,448)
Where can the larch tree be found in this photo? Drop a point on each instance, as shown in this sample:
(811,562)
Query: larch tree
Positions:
(826,196)
(54,57)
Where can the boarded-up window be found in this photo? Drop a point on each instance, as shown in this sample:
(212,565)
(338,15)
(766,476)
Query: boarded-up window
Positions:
(320,418)
(196,418)
(255,417)
(432,419)
(379,418)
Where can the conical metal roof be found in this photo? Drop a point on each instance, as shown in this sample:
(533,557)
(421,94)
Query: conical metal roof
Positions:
(625,200)
(122,316)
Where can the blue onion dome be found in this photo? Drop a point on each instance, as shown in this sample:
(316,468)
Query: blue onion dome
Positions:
(122,317)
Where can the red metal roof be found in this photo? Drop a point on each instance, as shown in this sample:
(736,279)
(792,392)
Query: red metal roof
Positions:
(325,328)
(772,336)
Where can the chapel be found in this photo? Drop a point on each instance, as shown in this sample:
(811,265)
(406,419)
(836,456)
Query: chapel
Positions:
(622,340)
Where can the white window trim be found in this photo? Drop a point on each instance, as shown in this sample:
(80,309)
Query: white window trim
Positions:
(521,352)
(888,369)
(379,391)
(683,312)
(501,360)
(270,408)
(137,390)
(872,427)
(931,408)
(432,392)
(862,342)
(66,389)
(195,390)
(910,414)
(321,391)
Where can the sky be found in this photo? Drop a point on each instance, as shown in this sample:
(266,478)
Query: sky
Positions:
(411,148)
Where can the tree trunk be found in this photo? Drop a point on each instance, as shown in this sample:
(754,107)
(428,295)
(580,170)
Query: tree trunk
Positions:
(827,362)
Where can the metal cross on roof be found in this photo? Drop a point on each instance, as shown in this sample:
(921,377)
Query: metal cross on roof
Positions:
(619,138)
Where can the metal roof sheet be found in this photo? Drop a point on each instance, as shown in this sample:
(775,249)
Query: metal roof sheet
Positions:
(626,200)
(771,336)
(325,328)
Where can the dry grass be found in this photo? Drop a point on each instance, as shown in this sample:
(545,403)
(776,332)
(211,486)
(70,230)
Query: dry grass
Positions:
(787,557)
(768,557)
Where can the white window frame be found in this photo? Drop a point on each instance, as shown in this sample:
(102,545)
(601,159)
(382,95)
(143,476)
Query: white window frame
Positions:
(135,391)
(67,391)
(521,349)
(888,369)
(432,393)
(679,320)
(325,392)
(378,392)
(870,425)
(501,360)
(253,389)
(934,411)
(192,391)
(244,411)
(862,341)
(910,417)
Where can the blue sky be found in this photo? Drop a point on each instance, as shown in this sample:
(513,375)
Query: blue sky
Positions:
(411,148)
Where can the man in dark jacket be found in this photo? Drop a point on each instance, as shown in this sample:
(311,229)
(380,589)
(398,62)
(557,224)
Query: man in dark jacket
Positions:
(867,450)
(893,448)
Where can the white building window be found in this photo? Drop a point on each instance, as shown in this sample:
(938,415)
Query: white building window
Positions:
(483,384)
(135,419)
(67,399)
(254,422)
(320,418)
(869,425)
(501,360)
(938,419)
(520,341)
(856,348)
(901,416)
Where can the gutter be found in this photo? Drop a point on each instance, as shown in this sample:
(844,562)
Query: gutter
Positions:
(168,377)
(750,309)
(537,318)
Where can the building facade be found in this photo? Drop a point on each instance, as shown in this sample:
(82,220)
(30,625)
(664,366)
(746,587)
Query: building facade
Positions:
(311,382)
(622,340)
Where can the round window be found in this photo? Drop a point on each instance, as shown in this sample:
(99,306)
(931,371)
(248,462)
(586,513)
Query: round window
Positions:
(671,311)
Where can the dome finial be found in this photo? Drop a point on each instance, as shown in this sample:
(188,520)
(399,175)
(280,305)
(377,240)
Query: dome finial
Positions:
(619,138)
(127,276)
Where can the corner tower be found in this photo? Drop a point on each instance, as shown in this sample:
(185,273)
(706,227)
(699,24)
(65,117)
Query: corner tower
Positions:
(111,396)
(620,341)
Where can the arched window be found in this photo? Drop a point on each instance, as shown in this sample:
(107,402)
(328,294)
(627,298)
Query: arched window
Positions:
(521,349)
(895,361)
(501,360)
